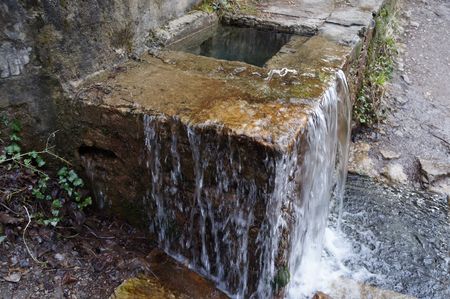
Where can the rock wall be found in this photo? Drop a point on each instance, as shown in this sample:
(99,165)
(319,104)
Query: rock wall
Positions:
(47,46)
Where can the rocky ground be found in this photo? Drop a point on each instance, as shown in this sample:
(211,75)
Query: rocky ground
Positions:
(412,145)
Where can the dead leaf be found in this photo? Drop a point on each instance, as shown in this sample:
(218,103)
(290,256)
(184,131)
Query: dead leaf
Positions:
(68,279)
(6,219)
(14,277)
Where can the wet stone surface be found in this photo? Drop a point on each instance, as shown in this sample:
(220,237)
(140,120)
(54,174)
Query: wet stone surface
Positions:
(399,235)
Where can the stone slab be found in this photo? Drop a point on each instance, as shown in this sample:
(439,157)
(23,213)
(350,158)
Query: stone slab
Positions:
(202,90)
(168,279)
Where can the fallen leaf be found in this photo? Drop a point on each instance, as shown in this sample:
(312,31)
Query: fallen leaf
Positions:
(68,279)
(6,219)
(14,277)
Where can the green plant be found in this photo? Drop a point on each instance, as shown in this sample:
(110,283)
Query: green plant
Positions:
(68,184)
(281,279)
(380,67)
(218,6)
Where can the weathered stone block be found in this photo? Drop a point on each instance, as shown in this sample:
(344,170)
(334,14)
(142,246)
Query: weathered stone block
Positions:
(219,163)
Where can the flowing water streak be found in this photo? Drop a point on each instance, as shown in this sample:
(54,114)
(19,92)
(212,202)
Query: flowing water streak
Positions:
(219,215)
(215,240)
(343,147)
(154,164)
(323,171)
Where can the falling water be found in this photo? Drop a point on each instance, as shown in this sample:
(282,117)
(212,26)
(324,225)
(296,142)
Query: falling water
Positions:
(239,221)
(323,173)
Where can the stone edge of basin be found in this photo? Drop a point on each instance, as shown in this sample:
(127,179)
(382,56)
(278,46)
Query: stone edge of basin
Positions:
(349,39)
(181,28)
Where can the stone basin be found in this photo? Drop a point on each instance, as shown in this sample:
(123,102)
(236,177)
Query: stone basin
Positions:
(245,44)
(183,140)
(215,155)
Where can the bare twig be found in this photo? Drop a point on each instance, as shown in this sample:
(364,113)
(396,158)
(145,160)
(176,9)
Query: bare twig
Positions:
(57,157)
(31,168)
(95,235)
(9,195)
(24,240)
(6,207)
(47,150)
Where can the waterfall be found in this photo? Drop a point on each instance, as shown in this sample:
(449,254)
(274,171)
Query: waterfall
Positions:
(239,213)
(323,173)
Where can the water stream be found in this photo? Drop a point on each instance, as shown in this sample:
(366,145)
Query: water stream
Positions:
(393,238)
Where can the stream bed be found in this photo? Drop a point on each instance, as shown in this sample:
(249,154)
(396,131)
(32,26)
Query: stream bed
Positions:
(393,239)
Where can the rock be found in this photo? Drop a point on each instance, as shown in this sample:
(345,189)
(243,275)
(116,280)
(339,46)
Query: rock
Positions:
(435,176)
(414,24)
(59,257)
(395,174)
(13,260)
(434,170)
(389,155)
(402,100)
(441,187)
(347,288)
(239,70)
(13,60)
(14,277)
(359,160)
(406,79)
(7,219)
(168,279)
(320,295)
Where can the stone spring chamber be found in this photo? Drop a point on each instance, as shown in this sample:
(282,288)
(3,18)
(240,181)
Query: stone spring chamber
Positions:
(231,164)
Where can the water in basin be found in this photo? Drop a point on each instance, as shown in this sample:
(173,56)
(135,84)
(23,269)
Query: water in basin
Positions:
(249,45)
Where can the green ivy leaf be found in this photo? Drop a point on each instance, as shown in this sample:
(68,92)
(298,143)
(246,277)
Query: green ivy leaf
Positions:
(27,162)
(62,172)
(16,126)
(38,194)
(72,176)
(14,137)
(12,149)
(33,154)
(78,182)
(57,204)
(39,161)
(86,202)
(52,221)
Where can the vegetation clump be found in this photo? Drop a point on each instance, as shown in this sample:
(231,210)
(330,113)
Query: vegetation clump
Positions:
(380,66)
(26,175)
(223,6)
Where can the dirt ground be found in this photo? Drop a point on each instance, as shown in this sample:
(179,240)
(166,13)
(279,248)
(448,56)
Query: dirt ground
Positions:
(85,262)
(417,101)
(84,256)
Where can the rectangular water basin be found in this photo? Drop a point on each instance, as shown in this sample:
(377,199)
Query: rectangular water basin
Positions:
(249,45)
